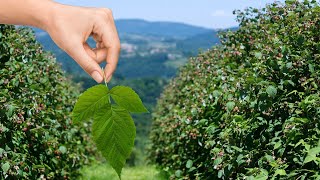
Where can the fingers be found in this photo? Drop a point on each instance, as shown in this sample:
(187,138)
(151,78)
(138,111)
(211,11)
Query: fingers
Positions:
(97,54)
(101,54)
(85,58)
(111,42)
(74,25)
(108,48)
(112,61)
(89,51)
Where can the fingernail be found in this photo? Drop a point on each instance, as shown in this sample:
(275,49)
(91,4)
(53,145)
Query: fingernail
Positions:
(96,76)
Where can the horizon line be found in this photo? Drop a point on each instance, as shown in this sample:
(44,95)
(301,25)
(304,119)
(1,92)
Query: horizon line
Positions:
(176,22)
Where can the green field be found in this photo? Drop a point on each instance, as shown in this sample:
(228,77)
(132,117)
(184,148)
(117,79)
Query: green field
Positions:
(104,171)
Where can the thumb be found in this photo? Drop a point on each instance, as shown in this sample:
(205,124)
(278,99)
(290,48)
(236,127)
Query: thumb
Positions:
(88,64)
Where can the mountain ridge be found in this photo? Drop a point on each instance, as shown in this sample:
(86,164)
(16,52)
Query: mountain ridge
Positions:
(162,28)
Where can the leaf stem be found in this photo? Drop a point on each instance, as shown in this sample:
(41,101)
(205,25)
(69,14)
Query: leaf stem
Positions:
(106,83)
(105,79)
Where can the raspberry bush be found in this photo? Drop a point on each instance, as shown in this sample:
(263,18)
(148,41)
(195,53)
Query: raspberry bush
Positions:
(37,137)
(249,108)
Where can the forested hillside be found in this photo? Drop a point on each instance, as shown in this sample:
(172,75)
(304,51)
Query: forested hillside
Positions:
(162,29)
(249,108)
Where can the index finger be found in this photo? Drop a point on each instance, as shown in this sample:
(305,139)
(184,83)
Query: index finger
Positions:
(111,42)
(112,61)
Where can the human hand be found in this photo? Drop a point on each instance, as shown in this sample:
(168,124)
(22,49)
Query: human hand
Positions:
(70,27)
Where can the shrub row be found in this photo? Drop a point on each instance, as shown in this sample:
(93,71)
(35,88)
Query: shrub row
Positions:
(37,137)
(249,108)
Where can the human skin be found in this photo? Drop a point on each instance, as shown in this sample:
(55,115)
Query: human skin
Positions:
(70,27)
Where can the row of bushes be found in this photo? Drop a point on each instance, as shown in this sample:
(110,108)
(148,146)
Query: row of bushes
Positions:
(249,108)
(37,137)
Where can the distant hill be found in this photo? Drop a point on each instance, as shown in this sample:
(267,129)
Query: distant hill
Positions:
(166,29)
(203,41)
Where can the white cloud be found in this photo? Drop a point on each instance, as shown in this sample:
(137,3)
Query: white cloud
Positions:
(221,13)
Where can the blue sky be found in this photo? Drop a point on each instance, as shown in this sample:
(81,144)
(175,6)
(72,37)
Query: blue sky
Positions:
(206,13)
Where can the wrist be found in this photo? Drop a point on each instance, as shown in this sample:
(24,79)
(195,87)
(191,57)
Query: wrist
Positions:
(43,14)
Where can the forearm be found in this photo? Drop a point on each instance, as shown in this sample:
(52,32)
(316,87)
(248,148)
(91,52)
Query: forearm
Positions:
(35,13)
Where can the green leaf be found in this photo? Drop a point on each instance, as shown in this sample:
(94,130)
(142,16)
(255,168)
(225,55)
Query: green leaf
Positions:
(272,91)
(280,172)
(128,99)
(262,176)
(277,145)
(220,173)
(178,173)
(5,167)
(113,128)
(189,164)
(258,55)
(265,172)
(289,2)
(10,111)
(217,161)
(300,142)
(289,65)
(236,148)
(38,166)
(312,155)
(314,151)
(230,105)
(311,68)
(1,151)
(216,93)
(63,149)
(309,158)
(113,132)
(192,169)
(240,159)
(90,101)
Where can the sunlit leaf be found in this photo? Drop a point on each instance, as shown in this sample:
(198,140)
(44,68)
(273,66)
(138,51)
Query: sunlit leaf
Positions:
(114,132)
(128,99)
(89,102)
(272,91)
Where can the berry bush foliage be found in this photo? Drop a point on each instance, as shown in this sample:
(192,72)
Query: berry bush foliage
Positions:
(37,137)
(250,108)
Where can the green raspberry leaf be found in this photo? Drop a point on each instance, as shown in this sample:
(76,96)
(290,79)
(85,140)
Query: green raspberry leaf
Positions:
(230,105)
(272,91)
(113,128)
(89,102)
(189,164)
(114,132)
(128,99)
(5,167)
